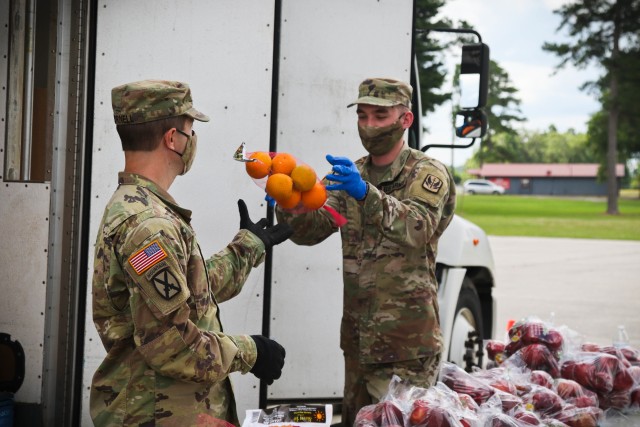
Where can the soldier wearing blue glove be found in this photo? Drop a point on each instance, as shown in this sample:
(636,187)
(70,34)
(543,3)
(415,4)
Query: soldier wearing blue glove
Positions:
(397,202)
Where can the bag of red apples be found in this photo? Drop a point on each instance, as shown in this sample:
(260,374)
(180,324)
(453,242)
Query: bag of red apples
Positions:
(538,376)
(609,374)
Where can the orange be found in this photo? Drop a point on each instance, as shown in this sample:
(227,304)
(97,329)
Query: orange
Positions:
(304,177)
(283,163)
(314,198)
(292,201)
(261,167)
(279,186)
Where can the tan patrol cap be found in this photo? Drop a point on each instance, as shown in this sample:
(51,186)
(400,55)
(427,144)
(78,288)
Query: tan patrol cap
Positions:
(149,100)
(384,92)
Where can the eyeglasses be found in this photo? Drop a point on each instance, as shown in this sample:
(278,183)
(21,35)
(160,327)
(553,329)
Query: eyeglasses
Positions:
(193,133)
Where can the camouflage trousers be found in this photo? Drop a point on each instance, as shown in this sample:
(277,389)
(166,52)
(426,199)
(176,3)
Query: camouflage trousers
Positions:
(368,384)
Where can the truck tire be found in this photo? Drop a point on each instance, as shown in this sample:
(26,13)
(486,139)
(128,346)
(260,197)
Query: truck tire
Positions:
(467,318)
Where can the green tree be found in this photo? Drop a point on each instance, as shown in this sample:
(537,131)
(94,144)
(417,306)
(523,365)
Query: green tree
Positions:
(629,110)
(549,146)
(429,54)
(603,31)
(503,106)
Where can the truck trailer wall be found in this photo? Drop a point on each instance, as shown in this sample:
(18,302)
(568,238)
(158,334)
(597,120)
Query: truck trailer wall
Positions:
(24,223)
(225,51)
(326,51)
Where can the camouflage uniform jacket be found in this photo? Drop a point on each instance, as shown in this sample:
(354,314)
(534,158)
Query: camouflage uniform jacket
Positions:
(155,306)
(389,247)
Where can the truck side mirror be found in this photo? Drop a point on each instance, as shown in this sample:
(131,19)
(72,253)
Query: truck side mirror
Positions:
(474,75)
(471,123)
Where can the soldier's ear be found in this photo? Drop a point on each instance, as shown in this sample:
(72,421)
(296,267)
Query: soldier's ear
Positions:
(168,139)
(407,119)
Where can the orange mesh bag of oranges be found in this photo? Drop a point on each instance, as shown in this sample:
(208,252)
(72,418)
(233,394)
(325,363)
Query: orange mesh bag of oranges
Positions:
(294,185)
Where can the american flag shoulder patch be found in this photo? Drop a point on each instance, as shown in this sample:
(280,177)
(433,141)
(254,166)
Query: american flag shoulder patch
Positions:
(147,257)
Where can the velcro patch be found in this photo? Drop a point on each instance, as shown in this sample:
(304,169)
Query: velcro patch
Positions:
(432,183)
(147,257)
(166,284)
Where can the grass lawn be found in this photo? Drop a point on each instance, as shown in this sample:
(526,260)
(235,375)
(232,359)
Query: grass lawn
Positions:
(552,216)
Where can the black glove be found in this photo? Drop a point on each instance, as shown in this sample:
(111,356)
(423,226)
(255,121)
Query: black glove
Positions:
(270,236)
(270,359)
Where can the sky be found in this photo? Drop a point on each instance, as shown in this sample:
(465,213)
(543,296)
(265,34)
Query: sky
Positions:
(515,31)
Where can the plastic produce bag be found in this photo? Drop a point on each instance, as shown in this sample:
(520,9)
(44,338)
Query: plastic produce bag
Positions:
(599,372)
(543,401)
(574,393)
(528,419)
(460,381)
(580,417)
(539,357)
(293,184)
(533,331)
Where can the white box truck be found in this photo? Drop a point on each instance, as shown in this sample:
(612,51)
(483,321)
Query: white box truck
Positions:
(275,74)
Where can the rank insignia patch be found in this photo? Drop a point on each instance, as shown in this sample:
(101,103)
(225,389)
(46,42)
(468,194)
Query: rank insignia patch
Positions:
(432,183)
(166,284)
(147,257)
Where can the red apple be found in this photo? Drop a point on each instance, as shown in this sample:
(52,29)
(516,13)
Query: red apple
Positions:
(539,357)
(634,371)
(634,398)
(631,354)
(501,420)
(580,417)
(568,388)
(614,399)
(541,378)
(419,413)
(440,417)
(503,385)
(528,418)
(544,401)
(585,401)
(623,380)
(495,348)
(387,413)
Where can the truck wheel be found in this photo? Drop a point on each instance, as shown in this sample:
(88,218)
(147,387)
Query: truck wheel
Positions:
(468,319)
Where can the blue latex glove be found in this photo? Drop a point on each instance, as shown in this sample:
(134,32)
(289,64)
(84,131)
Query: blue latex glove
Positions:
(347,174)
(271,202)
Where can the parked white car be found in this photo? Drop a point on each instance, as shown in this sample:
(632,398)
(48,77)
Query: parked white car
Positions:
(482,186)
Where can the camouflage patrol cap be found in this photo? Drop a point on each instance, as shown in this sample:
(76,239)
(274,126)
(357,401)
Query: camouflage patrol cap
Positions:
(149,100)
(384,92)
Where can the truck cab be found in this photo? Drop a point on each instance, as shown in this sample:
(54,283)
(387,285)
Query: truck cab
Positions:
(465,267)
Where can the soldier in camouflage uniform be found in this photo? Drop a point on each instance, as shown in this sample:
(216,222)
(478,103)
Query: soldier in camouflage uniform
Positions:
(155,297)
(397,202)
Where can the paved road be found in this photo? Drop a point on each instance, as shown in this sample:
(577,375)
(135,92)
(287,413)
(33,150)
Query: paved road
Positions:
(592,286)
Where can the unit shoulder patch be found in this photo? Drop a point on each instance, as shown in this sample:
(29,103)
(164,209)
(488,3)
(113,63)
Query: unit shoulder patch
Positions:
(432,183)
(166,284)
(147,257)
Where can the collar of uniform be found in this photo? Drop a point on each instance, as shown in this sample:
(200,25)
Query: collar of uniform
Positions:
(394,168)
(125,178)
